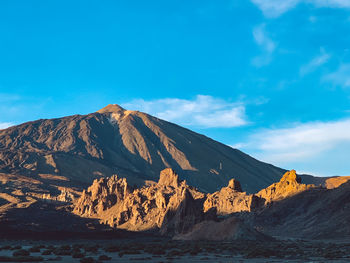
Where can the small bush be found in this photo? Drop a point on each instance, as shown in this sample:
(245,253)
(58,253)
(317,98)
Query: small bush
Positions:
(112,249)
(155,251)
(174,253)
(65,247)
(21,253)
(6,247)
(46,252)
(78,255)
(87,260)
(104,257)
(62,252)
(34,249)
(92,249)
(16,247)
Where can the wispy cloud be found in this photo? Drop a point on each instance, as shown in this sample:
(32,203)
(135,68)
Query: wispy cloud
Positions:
(275,8)
(4,125)
(340,77)
(202,111)
(298,142)
(266,44)
(316,62)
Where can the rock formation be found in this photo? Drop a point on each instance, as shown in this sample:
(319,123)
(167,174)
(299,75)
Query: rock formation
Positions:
(231,199)
(290,184)
(102,195)
(65,196)
(337,181)
(170,205)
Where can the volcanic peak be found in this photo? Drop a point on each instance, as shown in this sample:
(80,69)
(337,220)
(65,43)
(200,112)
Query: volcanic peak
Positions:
(112,108)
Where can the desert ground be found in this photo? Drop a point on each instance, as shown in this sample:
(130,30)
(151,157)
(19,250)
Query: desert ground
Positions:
(165,250)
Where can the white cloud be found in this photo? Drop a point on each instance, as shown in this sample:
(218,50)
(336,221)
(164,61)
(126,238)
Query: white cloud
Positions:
(266,44)
(299,142)
(203,111)
(316,62)
(4,125)
(275,8)
(341,77)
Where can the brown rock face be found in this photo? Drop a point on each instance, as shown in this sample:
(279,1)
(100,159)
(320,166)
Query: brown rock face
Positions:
(102,195)
(335,182)
(231,199)
(181,217)
(168,178)
(290,184)
(235,185)
(168,205)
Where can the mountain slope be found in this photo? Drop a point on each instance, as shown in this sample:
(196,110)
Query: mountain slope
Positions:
(73,150)
(317,213)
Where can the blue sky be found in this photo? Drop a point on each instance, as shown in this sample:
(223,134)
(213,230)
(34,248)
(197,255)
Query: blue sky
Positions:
(269,77)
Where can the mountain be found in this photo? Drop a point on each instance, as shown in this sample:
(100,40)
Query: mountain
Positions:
(72,151)
(170,205)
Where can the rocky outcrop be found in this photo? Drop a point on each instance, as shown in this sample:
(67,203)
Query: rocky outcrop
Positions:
(335,182)
(235,185)
(182,217)
(168,177)
(65,196)
(290,184)
(170,205)
(102,195)
(231,199)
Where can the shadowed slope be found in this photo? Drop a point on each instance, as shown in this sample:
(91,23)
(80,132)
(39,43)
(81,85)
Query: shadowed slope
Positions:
(315,213)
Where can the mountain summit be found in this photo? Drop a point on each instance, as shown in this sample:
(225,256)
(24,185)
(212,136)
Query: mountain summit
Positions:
(112,108)
(74,150)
